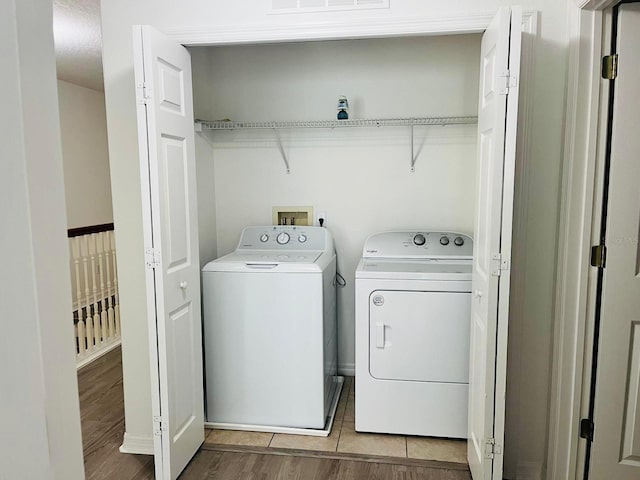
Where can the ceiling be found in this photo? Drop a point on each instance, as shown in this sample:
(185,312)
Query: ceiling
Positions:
(78,42)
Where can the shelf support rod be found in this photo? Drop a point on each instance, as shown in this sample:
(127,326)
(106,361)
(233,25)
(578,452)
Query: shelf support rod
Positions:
(284,155)
(413,158)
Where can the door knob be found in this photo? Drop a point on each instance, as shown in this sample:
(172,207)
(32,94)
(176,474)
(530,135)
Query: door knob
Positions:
(183,285)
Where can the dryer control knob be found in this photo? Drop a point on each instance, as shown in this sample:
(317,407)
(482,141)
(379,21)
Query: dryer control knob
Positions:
(302,238)
(458,241)
(264,237)
(419,239)
(283,238)
(444,240)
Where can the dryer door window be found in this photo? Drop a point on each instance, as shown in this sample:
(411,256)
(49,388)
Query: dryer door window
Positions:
(419,336)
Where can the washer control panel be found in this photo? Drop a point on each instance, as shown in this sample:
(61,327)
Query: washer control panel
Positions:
(419,244)
(283,237)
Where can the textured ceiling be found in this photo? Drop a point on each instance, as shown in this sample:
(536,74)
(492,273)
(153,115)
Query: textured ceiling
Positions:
(78,40)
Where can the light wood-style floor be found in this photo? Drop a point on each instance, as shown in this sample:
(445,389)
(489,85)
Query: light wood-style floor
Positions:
(102,411)
(102,417)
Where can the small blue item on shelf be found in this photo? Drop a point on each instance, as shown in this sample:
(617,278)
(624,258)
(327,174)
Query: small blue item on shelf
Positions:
(343,106)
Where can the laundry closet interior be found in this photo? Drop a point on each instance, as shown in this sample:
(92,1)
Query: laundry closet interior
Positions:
(407,160)
(361,178)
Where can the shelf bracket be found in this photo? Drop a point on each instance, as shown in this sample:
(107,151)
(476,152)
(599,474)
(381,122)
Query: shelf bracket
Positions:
(284,155)
(413,158)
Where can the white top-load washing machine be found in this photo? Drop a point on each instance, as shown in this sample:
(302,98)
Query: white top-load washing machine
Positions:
(270,329)
(413,298)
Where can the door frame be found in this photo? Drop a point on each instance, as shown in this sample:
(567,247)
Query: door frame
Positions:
(579,219)
(463,24)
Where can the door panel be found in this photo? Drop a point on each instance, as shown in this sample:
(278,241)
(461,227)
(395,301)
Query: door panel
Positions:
(177,201)
(171,85)
(182,333)
(631,419)
(616,442)
(165,125)
(497,122)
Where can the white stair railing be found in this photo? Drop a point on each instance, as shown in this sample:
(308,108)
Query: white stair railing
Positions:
(95,286)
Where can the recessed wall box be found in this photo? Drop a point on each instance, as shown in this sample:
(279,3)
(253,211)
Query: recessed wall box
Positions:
(292,216)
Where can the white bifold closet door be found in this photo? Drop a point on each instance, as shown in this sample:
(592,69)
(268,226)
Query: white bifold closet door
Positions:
(497,125)
(615,452)
(168,170)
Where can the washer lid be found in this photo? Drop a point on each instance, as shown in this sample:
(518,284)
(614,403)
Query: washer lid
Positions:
(269,256)
(286,261)
(412,269)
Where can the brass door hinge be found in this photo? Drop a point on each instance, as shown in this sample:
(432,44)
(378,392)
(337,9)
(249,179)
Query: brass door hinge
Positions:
(610,67)
(598,256)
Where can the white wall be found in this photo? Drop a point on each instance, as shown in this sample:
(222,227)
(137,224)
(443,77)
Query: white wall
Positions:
(203,108)
(530,329)
(40,435)
(83,126)
(359,177)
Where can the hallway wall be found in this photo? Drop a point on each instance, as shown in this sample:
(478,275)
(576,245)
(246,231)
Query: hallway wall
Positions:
(85,155)
(531,324)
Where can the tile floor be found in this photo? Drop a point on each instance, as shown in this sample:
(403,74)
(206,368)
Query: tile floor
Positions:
(344,438)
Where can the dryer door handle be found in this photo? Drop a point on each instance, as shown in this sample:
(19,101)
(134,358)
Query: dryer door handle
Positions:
(380,335)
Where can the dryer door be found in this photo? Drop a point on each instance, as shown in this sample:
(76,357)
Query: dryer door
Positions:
(419,336)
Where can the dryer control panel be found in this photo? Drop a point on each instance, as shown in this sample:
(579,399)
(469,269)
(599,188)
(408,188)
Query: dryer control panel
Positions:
(419,244)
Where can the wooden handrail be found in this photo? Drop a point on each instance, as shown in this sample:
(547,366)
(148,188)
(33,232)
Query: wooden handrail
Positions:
(77,232)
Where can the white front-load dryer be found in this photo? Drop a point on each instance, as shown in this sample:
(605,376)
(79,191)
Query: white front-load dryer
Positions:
(413,294)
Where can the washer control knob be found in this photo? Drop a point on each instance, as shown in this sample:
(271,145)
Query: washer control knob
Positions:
(419,239)
(458,241)
(444,240)
(264,237)
(283,238)
(302,238)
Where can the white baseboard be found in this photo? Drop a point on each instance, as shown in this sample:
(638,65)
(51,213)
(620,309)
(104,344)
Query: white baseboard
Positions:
(347,369)
(99,353)
(140,445)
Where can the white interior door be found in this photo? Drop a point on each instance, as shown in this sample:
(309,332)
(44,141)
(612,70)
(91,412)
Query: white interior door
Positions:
(616,439)
(497,123)
(165,129)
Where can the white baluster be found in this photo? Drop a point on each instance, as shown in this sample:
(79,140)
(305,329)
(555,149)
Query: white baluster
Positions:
(103,293)
(94,289)
(81,336)
(87,299)
(75,253)
(107,249)
(116,301)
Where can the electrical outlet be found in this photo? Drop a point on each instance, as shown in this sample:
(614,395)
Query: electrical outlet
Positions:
(320,215)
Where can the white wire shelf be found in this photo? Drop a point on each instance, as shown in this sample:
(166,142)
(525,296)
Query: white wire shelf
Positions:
(377,122)
(374,122)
